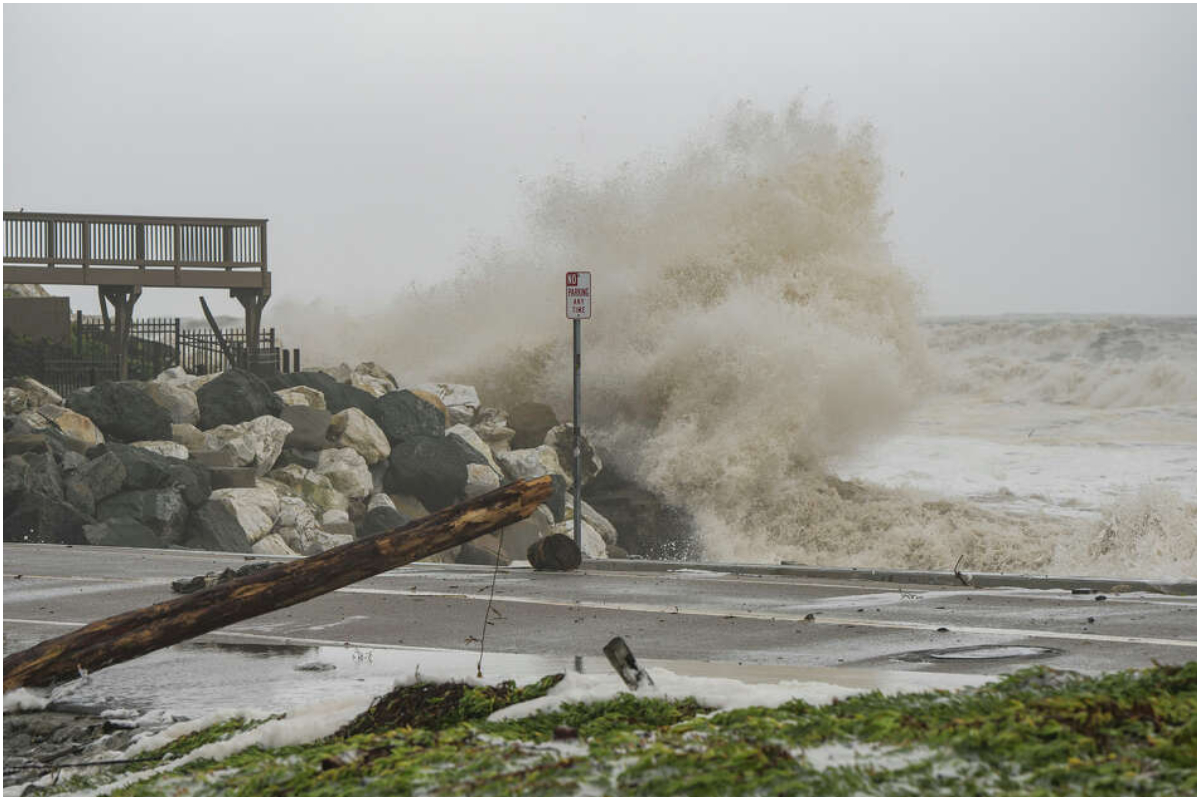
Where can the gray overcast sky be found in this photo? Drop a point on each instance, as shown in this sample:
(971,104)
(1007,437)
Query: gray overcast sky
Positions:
(1039,159)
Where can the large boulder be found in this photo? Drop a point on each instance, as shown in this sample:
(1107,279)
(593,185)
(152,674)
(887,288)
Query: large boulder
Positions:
(256,509)
(147,470)
(347,471)
(476,448)
(123,411)
(338,396)
(562,439)
(74,426)
(16,476)
(121,532)
(532,462)
(103,476)
(160,510)
(43,476)
(302,396)
(310,427)
(461,401)
(255,443)
(300,531)
(315,489)
(354,429)
(193,438)
(178,401)
(402,415)
(530,421)
(233,397)
(431,468)
(340,373)
(381,518)
(492,426)
(214,526)
(42,519)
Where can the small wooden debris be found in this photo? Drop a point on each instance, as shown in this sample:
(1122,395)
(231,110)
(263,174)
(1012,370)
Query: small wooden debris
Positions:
(622,660)
(189,585)
(555,552)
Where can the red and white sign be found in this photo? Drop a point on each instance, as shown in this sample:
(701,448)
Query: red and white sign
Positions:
(579,295)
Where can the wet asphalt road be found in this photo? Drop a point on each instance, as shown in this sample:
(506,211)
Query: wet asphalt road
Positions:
(676,615)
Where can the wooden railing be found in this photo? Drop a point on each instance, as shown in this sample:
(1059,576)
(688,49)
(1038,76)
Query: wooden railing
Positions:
(137,251)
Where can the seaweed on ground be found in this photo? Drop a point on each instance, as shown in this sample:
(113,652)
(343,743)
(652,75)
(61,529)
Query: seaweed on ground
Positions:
(1036,732)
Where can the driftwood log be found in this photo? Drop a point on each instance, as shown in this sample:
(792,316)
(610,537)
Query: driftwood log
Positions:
(135,633)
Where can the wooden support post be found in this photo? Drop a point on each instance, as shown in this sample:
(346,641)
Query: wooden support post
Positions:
(252,301)
(135,633)
(123,299)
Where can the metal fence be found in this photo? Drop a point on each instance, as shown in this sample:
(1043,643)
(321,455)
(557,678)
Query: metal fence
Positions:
(155,344)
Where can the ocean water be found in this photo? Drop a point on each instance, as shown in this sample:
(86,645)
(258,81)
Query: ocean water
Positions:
(757,356)
(1083,427)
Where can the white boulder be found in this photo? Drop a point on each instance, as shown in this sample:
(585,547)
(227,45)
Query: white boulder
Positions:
(256,443)
(371,385)
(347,471)
(481,479)
(194,382)
(354,429)
(302,396)
(532,462)
(172,449)
(562,439)
(315,489)
(593,542)
(172,375)
(179,401)
(520,535)
(193,438)
(256,509)
(461,401)
(492,426)
(592,517)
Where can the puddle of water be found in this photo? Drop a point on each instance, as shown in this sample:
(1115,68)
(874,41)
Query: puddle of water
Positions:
(196,678)
(994,652)
(997,651)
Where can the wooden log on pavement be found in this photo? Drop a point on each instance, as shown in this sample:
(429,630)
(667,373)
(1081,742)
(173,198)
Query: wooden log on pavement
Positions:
(135,633)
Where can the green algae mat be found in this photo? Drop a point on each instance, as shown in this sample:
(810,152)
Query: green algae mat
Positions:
(1037,731)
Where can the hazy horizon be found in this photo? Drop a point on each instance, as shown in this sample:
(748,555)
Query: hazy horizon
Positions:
(1036,159)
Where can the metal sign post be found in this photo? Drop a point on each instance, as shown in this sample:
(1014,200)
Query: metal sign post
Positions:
(579,307)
